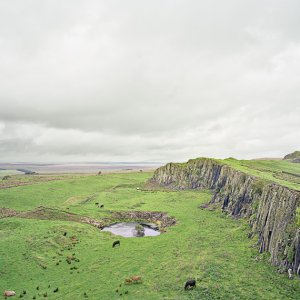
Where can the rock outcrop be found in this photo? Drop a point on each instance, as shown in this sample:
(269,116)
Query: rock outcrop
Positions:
(156,217)
(293,157)
(270,208)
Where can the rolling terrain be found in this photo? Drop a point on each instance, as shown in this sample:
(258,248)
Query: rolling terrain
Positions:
(51,246)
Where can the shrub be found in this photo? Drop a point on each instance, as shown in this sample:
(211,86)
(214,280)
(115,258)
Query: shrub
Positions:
(258,187)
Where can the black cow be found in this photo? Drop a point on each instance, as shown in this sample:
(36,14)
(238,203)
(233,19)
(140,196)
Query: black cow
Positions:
(115,243)
(191,283)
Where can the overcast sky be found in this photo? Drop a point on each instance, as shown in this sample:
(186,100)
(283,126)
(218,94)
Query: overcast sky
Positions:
(148,80)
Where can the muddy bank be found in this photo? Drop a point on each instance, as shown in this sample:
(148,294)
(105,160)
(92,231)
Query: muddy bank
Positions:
(46,213)
(160,218)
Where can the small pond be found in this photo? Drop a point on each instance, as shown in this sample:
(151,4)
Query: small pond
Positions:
(128,229)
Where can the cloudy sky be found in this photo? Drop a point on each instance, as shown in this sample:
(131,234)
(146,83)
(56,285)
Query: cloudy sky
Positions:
(148,80)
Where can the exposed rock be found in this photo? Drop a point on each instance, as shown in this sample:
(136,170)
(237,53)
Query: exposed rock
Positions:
(9,293)
(160,218)
(270,208)
(139,230)
(150,225)
(95,223)
(293,157)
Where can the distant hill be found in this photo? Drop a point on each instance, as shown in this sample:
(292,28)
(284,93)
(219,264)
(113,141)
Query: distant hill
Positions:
(293,157)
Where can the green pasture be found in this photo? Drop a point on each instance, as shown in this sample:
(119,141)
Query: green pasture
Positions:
(36,257)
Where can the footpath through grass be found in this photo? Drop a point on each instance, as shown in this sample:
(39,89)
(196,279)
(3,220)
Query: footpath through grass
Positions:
(36,257)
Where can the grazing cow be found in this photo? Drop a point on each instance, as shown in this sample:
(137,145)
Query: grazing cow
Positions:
(9,293)
(101,206)
(133,279)
(136,279)
(191,283)
(115,243)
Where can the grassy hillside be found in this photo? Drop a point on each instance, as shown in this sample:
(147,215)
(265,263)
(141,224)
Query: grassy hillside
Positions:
(204,244)
(293,155)
(283,172)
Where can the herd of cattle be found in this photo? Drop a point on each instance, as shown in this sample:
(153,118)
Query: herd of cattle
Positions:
(190,284)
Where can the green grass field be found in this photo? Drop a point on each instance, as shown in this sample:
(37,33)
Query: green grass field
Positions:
(205,245)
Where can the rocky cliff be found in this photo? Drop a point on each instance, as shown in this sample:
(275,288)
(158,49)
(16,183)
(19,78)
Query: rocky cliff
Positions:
(270,208)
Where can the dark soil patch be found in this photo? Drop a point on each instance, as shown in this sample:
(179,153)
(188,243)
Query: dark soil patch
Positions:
(46,213)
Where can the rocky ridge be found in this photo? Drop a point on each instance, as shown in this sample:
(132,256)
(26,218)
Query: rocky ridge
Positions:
(271,209)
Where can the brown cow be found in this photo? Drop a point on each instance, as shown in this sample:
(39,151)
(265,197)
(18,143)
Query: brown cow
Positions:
(136,279)
(133,279)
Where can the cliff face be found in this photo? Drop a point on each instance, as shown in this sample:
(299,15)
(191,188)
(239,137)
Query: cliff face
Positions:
(270,208)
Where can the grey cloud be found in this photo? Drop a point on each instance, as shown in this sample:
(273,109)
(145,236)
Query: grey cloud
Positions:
(163,80)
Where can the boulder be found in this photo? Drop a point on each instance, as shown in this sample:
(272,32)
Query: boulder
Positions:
(9,293)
